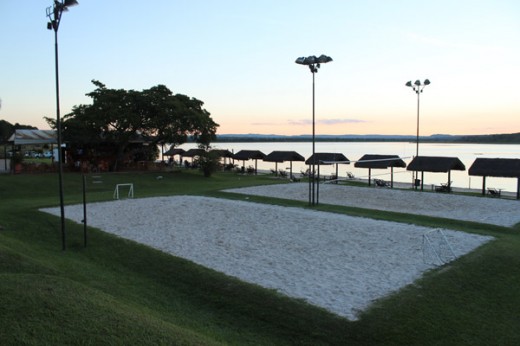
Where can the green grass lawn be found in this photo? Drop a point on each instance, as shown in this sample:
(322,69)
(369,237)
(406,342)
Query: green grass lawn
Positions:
(116,291)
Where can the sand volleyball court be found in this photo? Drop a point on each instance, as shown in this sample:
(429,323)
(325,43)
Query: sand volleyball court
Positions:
(496,211)
(337,262)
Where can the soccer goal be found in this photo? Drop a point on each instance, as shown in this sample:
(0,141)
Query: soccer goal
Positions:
(436,248)
(130,187)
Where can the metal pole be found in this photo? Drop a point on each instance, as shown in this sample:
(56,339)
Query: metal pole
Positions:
(313,143)
(417,140)
(58,129)
(84,210)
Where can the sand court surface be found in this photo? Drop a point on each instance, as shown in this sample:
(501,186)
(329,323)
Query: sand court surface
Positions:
(496,211)
(338,262)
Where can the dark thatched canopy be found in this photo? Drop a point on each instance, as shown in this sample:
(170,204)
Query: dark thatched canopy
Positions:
(249,154)
(194,152)
(435,164)
(506,168)
(327,159)
(174,151)
(222,152)
(379,161)
(283,156)
(371,161)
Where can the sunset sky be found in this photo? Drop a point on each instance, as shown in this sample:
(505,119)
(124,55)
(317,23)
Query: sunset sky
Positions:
(238,58)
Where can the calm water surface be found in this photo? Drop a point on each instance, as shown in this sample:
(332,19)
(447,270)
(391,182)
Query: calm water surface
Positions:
(467,153)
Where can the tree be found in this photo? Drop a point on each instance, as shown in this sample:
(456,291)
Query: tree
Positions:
(120,117)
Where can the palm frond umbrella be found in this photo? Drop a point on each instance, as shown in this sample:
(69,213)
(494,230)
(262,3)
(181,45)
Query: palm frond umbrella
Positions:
(249,155)
(327,159)
(194,153)
(435,164)
(283,156)
(380,162)
(496,167)
(175,151)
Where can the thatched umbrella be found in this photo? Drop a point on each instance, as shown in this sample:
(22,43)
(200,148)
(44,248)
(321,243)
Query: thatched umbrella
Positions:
(327,159)
(504,168)
(283,156)
(249,155)
(193,153)
(435,164)
(222,153)
(380,162)
(175,151)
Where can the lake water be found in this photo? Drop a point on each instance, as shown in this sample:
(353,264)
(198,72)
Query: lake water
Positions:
(467,153)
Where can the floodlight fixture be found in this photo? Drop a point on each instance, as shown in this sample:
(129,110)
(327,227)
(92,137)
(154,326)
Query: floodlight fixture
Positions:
(417,86)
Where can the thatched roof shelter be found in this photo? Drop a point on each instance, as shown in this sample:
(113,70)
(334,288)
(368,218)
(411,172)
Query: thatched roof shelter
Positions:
(222,153)
(327,159)
(283,156)
(194,152)
(380,162)
(504,168)
(174,151)
(250,155)
(435,164)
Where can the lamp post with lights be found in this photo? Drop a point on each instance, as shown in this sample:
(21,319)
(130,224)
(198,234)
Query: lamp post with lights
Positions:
(314,64)
(54,13)
(418,88)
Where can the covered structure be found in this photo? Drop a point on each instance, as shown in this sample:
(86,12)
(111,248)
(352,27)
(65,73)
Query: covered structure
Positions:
(192,153)
(327,159)
(380,162)
(33,137)
(244,155)
(324,159)
(222,154)
(435,164)
(496,167)
(284,156)
(175,151)
(29,137)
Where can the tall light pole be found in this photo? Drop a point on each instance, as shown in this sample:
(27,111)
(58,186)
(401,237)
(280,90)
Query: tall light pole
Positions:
(54,13)
(418,88)
(314,64)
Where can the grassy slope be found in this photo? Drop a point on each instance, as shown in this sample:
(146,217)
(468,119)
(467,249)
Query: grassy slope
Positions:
(117,291)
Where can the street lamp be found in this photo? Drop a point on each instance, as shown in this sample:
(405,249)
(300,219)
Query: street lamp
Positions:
(314,64)
(418,87)
(54,13)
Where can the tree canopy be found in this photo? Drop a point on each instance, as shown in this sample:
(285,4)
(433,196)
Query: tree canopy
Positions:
(120,116)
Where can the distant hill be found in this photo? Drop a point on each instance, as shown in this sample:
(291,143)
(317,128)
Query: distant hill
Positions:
(513,138)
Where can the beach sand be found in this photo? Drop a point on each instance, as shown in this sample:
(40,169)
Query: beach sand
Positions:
(337,262)
(496,211)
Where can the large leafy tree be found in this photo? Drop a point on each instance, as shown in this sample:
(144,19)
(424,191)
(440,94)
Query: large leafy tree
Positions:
(119,117)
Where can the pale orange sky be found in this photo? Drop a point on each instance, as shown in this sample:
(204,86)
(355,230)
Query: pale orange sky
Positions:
(238,57)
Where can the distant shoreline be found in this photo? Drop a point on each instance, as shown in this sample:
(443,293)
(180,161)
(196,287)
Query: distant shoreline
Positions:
(513,138)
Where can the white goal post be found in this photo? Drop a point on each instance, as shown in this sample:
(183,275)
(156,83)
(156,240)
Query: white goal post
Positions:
(130,190)
(436,248)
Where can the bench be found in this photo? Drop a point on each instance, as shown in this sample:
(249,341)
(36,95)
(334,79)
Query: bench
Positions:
(381,183)
(494,192)
(446,187)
